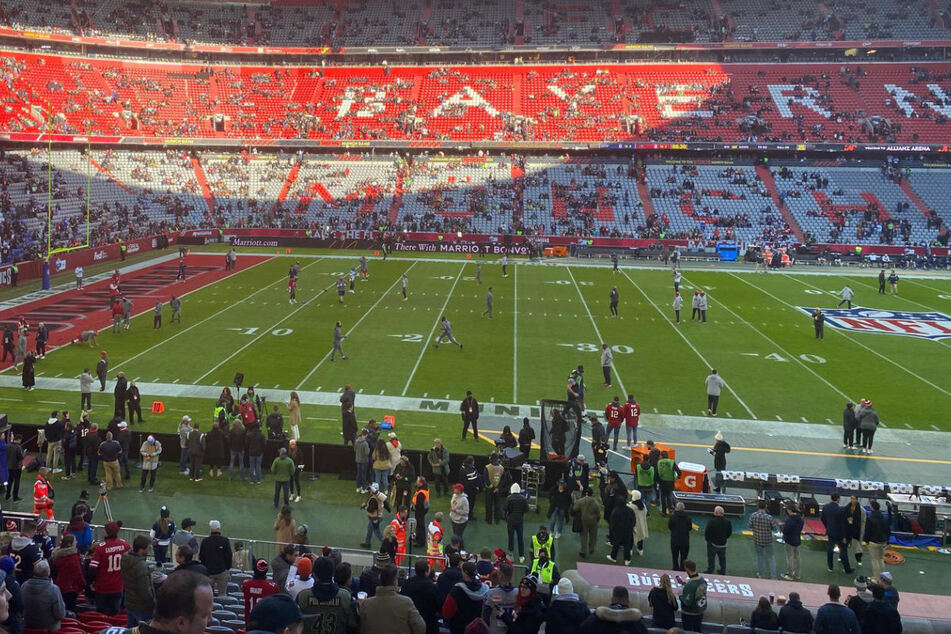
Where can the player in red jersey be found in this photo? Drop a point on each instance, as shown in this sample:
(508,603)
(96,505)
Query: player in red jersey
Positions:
(106,571)
(257,588)
(614,413)
(292,290)
(632,416)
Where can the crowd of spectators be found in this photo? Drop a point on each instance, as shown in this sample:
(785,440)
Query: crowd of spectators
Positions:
(496,22)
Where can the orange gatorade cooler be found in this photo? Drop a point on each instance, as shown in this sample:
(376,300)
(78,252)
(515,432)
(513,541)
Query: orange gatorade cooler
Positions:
(691,477)
(640,452)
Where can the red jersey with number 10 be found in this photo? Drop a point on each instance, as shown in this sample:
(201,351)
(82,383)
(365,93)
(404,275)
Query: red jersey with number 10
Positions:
(106,562)
(614,414)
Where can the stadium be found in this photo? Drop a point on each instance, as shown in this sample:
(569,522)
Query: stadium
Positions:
(671,275)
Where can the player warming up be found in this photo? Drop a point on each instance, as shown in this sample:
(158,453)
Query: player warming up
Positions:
(405,286)
(341,289)
(338,342)
(446,333)
(292,290)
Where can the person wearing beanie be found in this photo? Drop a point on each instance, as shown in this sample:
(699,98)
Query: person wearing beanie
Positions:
(150,451)
(327,601)
(465,601)
(528,614)
(43,607)
(514,509)
(370,577)
(299,578)
(257,587)
(880,616)
(567,611)
(215,554)
(24,551)
(459,509)
(277,614)
(106,581)
(13,604)
(719,450)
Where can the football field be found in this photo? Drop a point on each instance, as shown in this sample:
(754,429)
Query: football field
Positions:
(548,318)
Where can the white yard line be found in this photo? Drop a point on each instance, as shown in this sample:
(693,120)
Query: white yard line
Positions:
(853,340)
(354,326)
(196,324)
(597,331)
(515,335)
(267,331)
(432,330)
(789,354)
(666,318)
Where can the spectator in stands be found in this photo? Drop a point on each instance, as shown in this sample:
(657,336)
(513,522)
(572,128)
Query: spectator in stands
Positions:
(421,589)
(107,578)
(277,614)
(69,572)
(185,558)
(281,564)
(529,612)
(664,603)
(567,611)
(216,556)
(795,618)
(833,617)
(12,597)
(465,601)
(891,592)
(693,598)
(139,591)
(619,616)
(763,617)
(370,577)
(257,587)
(880,616)
(448,579)
(43,606)
(389,611)
(299,577)
(501,599)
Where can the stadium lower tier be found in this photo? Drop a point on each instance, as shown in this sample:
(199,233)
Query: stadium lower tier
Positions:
(130,193)
(783,103)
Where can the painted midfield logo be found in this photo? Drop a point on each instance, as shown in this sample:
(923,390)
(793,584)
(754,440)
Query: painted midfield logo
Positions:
(888,322)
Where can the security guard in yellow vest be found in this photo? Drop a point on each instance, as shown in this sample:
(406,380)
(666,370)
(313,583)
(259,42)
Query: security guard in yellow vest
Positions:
(545,569)
(542,540)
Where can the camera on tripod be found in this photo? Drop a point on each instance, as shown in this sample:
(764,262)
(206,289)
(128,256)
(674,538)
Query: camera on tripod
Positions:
(102,488)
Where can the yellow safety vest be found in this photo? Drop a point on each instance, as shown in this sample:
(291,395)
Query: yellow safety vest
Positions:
(545,573)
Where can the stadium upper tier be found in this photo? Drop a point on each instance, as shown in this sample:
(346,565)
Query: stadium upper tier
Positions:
(487,23)
(135,193)
(791,103)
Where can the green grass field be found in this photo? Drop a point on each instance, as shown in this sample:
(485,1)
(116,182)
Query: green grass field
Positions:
(548,319)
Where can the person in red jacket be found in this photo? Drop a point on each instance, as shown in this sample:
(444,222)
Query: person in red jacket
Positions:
(117,311)
(632,415)
(614,413)
(257,588)
(105,571)
(43,495)
(69,571)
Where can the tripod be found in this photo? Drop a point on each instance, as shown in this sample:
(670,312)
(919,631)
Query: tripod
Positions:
(104,500)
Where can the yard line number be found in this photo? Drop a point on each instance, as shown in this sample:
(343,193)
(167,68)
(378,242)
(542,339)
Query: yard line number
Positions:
(808,358)
(277,332)
(593,347)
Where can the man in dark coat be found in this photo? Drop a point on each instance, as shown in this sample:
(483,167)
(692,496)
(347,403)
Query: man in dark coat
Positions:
(349,426)
(470,415)
(621,532)
(793,617)
(680,526)
(849,425)
(880,616)
(833,518)
(120,394)
(134,400)
(102,367)
(422,590)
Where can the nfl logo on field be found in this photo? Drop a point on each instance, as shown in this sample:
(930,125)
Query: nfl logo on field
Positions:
(888,322)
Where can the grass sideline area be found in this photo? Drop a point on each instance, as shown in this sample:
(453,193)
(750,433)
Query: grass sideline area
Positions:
(548,318)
